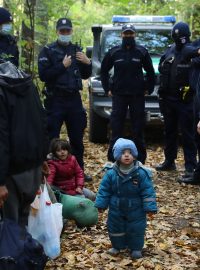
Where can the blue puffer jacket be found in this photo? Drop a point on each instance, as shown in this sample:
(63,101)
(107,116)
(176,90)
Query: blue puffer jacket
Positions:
(128,197)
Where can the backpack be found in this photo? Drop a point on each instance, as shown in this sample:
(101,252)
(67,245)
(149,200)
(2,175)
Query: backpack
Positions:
(18,250)
(26,119)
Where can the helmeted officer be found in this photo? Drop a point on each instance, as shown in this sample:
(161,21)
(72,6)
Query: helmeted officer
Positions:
(191,52)
(128,87)
(61,66)
(176,102)
(8,46)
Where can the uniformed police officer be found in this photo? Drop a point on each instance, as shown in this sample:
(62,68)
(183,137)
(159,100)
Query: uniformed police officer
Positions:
(191,52)
(8,47)
(61,66)
(176,102)
(128,87)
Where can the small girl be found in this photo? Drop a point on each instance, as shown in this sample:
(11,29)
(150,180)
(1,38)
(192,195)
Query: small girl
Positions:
(128,191)
(65,172)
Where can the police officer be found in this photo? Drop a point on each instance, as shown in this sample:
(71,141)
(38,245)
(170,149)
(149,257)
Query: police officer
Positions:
(61,66)
(192,53)
(176,102)
(128,87)
(8,47)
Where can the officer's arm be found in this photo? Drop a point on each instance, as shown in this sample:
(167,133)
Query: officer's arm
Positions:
(191,50)
(47,70)
(160,65)
(196,62)
(106,66)
(150,73)
(85,69)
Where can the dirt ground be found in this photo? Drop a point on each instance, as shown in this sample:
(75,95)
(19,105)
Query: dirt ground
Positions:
(172,237)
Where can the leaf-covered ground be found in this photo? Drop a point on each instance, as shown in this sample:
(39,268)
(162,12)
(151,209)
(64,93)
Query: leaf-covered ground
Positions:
(172,237)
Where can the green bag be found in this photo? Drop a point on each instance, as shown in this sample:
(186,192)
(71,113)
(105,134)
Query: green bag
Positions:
(79,209)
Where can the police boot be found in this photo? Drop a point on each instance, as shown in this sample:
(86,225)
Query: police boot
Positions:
(193,179)
(166,166)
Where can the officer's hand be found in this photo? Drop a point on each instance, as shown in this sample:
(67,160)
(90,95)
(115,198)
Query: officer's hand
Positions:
(67,61)
(109,93)
(198,127)
(80,56)
(3,195)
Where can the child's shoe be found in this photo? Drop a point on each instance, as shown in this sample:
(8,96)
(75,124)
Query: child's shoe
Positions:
(136,254)
(113,251)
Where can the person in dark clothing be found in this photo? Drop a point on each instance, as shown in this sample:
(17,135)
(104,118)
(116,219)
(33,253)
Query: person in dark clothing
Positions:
(22,143)
(8,46)
(127,87)
(61,66)
(192,53)
(176,102)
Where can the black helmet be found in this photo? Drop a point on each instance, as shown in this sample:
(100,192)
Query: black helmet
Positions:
(180,30)
(5,16)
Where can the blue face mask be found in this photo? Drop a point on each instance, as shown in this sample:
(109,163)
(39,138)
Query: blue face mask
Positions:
(6,28)
(64,38)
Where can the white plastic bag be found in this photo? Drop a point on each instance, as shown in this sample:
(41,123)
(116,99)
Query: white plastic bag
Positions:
(46,224)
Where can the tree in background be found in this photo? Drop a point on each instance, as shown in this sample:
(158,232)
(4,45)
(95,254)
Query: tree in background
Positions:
(34,20)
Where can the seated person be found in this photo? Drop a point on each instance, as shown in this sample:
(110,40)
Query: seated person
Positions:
(65,172)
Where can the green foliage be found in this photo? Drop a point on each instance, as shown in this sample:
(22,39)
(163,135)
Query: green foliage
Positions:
(86,13)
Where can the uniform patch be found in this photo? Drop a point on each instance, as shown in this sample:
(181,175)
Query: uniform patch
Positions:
(135,182)
(135,59)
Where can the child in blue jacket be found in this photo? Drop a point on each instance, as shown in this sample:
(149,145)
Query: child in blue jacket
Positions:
(127,190)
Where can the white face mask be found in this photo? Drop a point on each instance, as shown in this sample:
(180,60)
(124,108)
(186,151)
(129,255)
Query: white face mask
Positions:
(64,38)
(6,28)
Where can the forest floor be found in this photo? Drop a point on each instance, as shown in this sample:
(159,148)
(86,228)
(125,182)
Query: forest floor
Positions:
(172,237)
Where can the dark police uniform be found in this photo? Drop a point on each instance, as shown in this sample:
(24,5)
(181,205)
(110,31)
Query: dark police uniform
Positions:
(190,53)
(8,49)
(176,104)
(128,87)
(8,45)
(63,101)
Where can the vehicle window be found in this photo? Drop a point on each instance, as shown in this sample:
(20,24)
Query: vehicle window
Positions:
(156,41)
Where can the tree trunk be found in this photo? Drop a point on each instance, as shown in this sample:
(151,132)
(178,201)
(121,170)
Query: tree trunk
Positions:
(28,36)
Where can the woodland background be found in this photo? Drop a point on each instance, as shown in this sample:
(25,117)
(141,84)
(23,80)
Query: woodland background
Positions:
(34,20)
(173,237)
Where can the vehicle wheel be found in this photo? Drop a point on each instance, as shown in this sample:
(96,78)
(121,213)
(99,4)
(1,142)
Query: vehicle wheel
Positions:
(98,128)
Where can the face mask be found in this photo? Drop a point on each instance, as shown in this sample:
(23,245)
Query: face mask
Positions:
(6,28)
(128,41)
(64,38)
(180,42)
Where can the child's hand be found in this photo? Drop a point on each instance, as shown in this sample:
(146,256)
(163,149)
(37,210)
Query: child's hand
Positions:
(79,190)
(151,215)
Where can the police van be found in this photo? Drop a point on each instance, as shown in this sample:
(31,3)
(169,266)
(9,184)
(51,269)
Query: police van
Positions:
(152,32)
